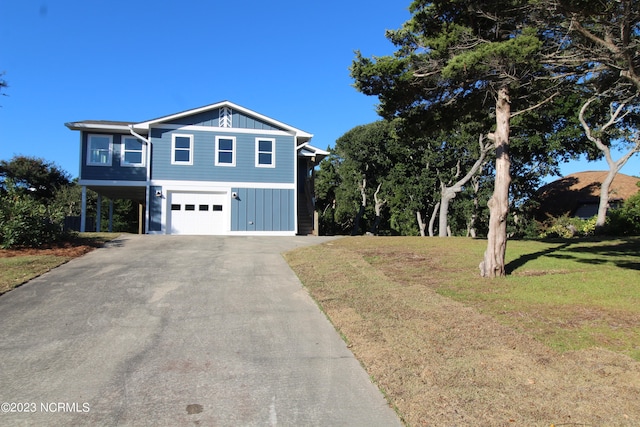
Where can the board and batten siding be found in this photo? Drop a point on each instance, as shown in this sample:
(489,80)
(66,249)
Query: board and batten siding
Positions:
(263,209)
(204,168)
(212,119)
(113,172)
(155,208)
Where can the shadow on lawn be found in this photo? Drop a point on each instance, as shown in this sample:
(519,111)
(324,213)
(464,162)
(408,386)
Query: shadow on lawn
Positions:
(617,253)
(523,259)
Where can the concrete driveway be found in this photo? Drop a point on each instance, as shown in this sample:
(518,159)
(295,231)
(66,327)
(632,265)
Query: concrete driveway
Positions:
(176,331)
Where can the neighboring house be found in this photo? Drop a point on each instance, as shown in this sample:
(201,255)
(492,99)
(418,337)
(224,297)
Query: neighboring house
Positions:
(219,169)
(578,194)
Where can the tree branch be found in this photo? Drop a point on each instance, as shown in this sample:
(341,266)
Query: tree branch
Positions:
(533,107)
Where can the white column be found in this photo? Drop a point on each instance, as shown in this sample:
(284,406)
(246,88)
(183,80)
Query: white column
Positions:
(110,216)
(83,210)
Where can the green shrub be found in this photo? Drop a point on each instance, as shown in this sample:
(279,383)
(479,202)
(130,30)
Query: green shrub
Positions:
(625,221)
(25,221)
(567,227)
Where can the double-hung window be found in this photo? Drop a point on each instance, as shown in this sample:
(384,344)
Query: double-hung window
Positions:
(181,149)
(225,151)
(99,150)
(132,152)
(265,152)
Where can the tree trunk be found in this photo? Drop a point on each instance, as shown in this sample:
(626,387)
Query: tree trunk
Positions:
(493,263)
(446,196)
(421,225)
(378,204)
(603,206)
(471,225)
(356,224)
(449,193)
(614,166)
(433,218)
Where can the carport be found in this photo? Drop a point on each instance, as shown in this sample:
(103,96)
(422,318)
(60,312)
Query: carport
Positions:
(137,193)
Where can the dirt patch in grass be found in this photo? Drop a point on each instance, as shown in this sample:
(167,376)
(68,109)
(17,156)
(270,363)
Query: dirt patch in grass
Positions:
(19,265)
(444,362)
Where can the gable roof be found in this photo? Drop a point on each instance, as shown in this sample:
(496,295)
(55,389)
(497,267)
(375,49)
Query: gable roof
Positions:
(302,135)
(307,150)
(143,127)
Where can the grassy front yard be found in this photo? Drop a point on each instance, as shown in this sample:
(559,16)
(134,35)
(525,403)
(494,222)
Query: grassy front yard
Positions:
(18,266)
(542,346)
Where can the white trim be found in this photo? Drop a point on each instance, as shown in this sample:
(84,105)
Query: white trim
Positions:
(173,149)
(233,151)
(238,233)
(168,195)
(221,184)
(111,183)
(97,126)
(200,187)
(123,152)
(275,123)
(225,117)
(284,233)
(110,152)
(223,130)
(315,150)
(272,152)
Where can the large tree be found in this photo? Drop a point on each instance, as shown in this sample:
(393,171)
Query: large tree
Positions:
(367,153)
(598,45)
(461,55)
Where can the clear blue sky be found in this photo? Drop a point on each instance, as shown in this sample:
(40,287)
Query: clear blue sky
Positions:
(71,60)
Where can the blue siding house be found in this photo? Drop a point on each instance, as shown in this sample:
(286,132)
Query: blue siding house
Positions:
(219,169)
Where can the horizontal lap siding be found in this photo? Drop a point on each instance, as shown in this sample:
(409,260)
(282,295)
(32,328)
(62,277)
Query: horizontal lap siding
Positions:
(113,172)
(203,167)
(263,209)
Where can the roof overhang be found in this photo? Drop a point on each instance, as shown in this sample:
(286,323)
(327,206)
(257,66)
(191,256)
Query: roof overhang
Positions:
(100,126)
(307,150)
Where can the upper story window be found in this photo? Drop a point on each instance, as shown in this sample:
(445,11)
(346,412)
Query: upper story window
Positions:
(132,152)
(265,152)
(225,151)
(99,149)
(181,149)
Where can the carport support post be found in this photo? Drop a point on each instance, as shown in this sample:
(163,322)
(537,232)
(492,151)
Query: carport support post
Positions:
(140,217)
(110,216)
(99,213)
(83,210)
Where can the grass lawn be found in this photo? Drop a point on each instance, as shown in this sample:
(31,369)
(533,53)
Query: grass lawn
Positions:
(448,346)
(18,266)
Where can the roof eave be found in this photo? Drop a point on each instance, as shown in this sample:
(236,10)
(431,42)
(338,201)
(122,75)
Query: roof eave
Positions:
(300,134)
(89,126)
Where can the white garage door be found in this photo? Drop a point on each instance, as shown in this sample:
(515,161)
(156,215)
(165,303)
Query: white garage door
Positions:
(196,213)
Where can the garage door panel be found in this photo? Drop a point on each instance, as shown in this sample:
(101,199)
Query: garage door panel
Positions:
(196,213)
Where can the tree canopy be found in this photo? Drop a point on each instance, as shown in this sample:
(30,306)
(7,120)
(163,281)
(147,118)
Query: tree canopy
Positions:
(464,58)
(34,176)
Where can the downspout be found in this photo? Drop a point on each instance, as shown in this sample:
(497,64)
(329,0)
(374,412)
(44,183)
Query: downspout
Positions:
(148,166)
(295,184)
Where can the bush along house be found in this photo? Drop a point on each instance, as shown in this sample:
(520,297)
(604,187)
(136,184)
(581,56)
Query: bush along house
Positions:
(221,169)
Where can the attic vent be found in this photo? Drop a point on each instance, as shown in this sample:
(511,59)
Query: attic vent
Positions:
(225,117)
